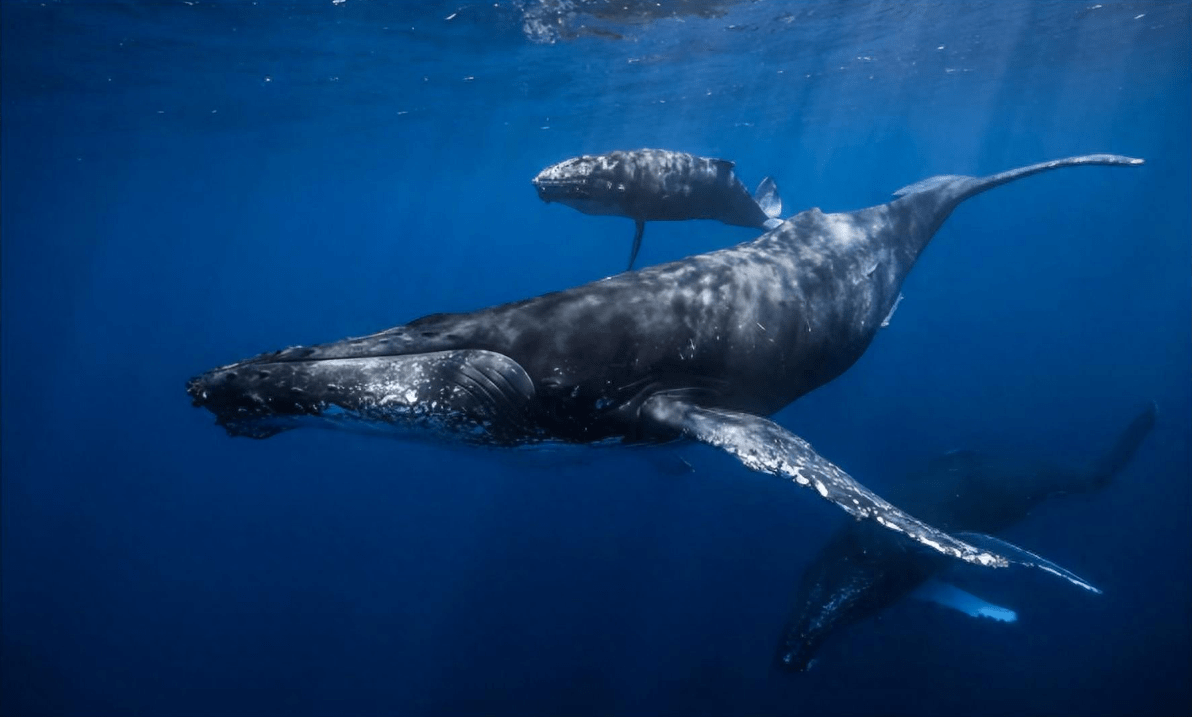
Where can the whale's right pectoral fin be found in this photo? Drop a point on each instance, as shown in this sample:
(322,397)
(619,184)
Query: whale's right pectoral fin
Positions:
(951,596)
(764,446)
(639,229)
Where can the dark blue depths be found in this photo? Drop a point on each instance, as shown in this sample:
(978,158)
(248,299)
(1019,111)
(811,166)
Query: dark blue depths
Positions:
(186,184)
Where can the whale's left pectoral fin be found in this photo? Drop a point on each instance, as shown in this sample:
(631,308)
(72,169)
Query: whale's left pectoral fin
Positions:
(951,596)
(1025,558)
(764,446)
(638,230)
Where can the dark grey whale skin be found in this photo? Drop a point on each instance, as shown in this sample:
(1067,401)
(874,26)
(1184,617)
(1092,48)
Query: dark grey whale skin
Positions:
(652,185)
(703,348)
(861,571)
(658,185)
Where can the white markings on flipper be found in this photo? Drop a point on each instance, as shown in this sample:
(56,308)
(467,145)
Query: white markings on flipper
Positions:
(951,596)
(764,446)
(1026,558)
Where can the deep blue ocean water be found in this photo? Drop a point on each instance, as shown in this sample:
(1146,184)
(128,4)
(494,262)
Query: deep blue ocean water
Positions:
(189,183)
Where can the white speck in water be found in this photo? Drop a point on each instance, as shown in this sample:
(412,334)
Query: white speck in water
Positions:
(451,16)
(940,47)
(1139,17)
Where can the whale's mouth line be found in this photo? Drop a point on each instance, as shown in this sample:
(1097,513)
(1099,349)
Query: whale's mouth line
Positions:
(563,185)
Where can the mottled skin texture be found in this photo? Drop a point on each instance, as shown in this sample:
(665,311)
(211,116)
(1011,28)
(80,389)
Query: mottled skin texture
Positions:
(651,185)
(750,328)
(655,185)
(863,570)
(703,348)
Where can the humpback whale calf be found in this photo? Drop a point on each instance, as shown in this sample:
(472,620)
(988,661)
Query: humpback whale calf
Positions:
(658,185)
(703,348)
(861,572)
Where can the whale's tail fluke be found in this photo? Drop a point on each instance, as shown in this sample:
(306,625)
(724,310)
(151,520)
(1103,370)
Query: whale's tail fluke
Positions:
(1126,446)
(965,187)
(770,203)
(934,198)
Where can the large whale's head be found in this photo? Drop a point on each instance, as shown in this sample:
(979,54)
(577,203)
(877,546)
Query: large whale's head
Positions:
(474,396)
(591,184)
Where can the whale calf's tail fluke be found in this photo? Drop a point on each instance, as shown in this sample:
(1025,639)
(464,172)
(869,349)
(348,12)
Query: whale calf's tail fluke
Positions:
(769,202)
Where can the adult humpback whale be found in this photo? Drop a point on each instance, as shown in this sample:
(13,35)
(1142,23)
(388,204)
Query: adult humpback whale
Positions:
(701,348)
(658,185)
(861,572)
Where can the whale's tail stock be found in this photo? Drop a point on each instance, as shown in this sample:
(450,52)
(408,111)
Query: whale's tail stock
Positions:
(964,187)
(940,194)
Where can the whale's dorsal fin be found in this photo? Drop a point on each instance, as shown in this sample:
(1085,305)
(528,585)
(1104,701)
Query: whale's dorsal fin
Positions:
(762,445)
(948,595)
(925,184)
(726,164)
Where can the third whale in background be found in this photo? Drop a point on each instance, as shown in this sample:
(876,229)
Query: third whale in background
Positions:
(861,572)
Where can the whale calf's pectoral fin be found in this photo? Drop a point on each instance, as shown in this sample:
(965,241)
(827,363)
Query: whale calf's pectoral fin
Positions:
(764,446)
(767,198)
(639,229)
(951,596)
(1025,558)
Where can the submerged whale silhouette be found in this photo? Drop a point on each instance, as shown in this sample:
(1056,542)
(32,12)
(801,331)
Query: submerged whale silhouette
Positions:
(650,185)
(703,348)
(861,572)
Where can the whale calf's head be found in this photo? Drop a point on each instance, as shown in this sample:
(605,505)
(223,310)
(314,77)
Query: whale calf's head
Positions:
(590,184)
